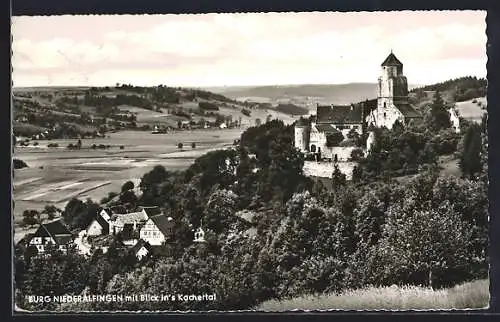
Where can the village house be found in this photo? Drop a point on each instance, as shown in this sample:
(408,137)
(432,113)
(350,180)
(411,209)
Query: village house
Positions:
(54,233)
(454,119)
(142,249)
(100,225)
(131,222)
(157,230)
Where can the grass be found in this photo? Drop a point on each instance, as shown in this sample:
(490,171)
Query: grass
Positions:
(471,111)
(470,295)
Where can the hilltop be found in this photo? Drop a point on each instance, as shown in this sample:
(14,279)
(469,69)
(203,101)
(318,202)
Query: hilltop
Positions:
(91,111)
(305,94)
(57,112)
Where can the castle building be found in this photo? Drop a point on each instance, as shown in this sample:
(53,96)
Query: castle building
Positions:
(392,96)
(353,120)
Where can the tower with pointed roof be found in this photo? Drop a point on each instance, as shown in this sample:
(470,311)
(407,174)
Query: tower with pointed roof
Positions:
(392,95)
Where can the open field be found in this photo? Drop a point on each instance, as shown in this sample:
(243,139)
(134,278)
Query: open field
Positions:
(55,175)
(471,295)
(472,111)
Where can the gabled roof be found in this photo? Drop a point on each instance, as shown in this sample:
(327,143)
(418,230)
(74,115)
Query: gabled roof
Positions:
(163,223)
(55,229)
(339,114)
(101,221)
(391,60)
(326,128)
(140,244)
(152,211)
(407,110)
(368,105)
(130,218)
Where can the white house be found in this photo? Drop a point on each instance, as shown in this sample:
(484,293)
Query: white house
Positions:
(118,222)
(157,230)
(454,119)
(100,225)
(141,249)
(54,233)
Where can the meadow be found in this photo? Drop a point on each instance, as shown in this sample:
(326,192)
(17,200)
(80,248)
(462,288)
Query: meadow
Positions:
(55,175)
(470,295)
(471,110)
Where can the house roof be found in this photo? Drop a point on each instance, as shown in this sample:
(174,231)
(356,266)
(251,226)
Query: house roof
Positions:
(391,60)
(100,220)
(163,223)
(55,229)
(407,110)
(152,211)
(368,105)
(339,114)
(140,244)
(326,128)
(130,218)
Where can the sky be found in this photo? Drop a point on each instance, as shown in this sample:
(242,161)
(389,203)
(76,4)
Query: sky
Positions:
(245,49)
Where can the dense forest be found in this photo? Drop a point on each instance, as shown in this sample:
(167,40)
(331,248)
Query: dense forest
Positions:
(462,89)
(273,233)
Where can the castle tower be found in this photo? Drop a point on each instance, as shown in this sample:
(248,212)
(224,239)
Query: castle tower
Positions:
(392,84)
(301,136)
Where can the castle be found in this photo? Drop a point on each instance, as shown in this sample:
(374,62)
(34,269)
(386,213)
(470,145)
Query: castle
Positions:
(390,106)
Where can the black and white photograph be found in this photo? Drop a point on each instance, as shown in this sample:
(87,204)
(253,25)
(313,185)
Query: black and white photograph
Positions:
(256,162)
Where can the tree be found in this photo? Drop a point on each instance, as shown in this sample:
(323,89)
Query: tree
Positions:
(338,178)
(193,145)
(31,217)
(357,174)
(470,159)
(425,242)
(129,185)
(179,124)
(180,145)
(439,117)
(51,211)
(333,139)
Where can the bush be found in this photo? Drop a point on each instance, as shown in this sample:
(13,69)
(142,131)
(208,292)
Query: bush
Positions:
(102,146)
(207,106)
(19,164)
(180,145)
(334,139)
(122,147)
(193,145)
(93,146)
(53,145)
(246,112)
(357,154)
(35,143)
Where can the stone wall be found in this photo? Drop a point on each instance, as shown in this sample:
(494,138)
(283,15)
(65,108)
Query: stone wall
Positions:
(392,114)
(325,169)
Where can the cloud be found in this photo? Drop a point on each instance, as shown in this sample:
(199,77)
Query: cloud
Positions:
(226,49)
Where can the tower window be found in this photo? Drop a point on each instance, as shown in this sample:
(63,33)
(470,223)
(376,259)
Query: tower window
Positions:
(385,104)
(385,114)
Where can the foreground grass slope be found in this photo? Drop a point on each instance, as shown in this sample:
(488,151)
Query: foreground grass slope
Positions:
(471,295)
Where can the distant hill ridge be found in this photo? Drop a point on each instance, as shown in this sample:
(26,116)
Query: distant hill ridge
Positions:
(320,93)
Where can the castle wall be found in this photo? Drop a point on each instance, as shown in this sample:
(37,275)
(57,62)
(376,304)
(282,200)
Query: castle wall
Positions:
(302,138)
(381,117)
(325,169)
